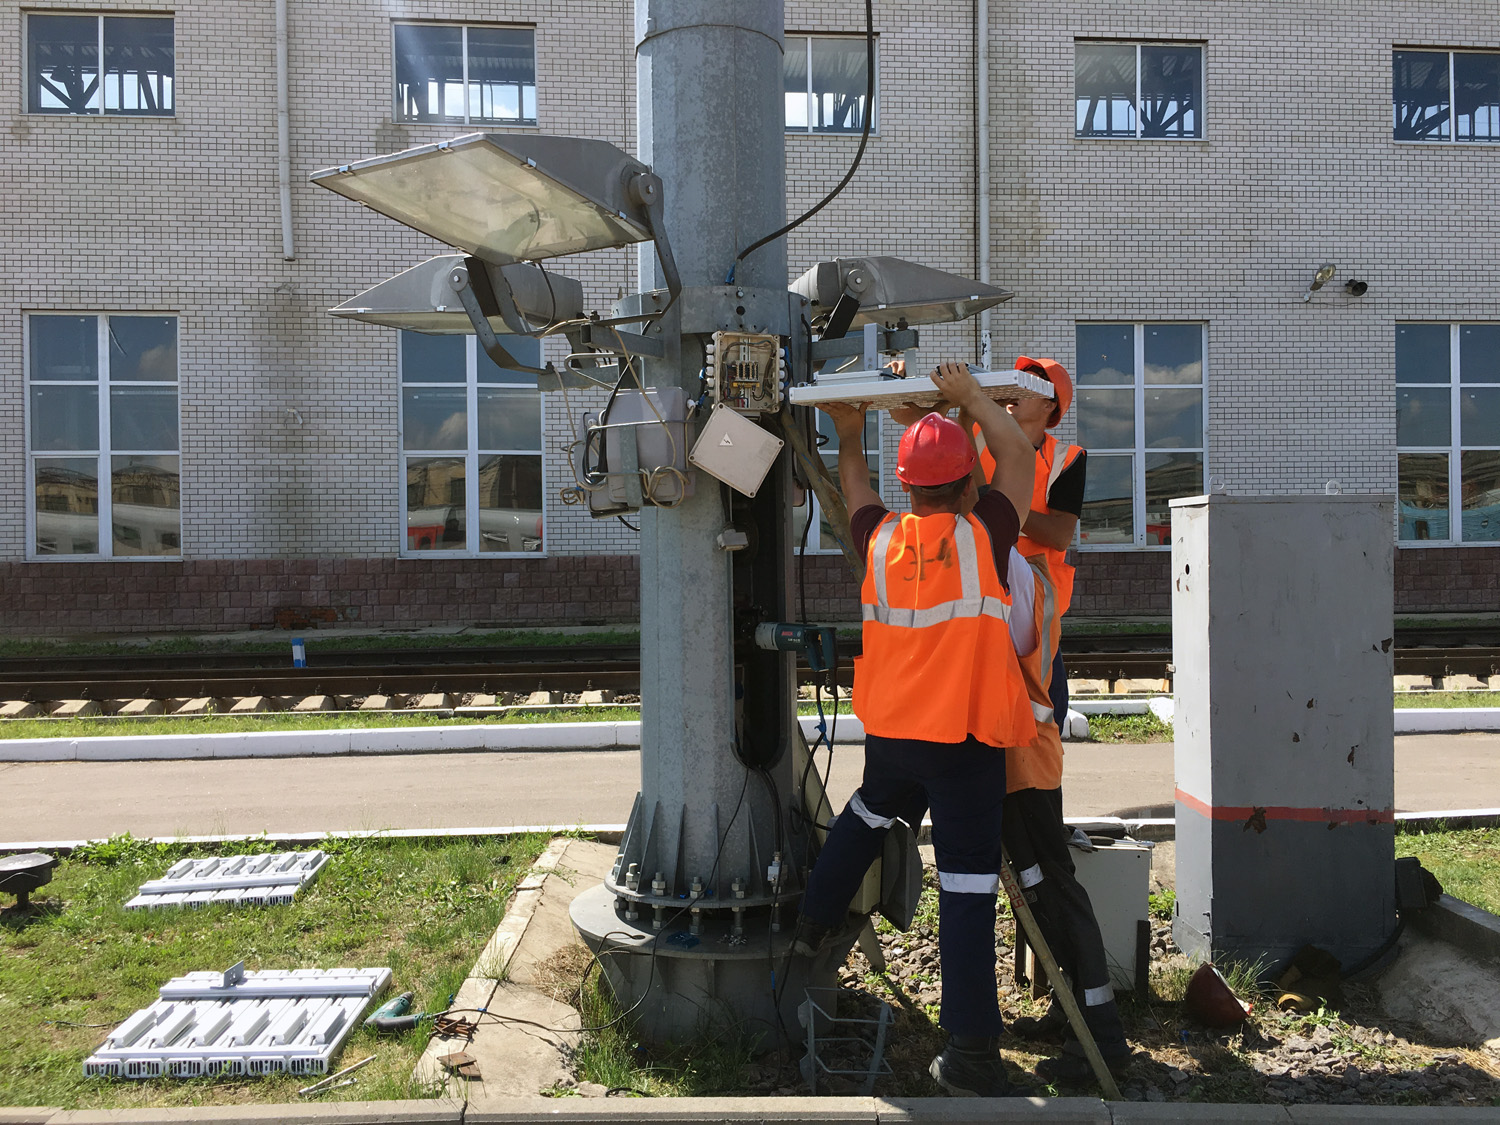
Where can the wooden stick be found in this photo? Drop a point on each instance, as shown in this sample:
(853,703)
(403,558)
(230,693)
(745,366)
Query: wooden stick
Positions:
(316,1086)
(827,492)
(1060,987)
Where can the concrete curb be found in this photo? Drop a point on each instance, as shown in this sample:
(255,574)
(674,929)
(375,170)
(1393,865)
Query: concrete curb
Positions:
(1454,921)
(712,1111)
(514,737)
(1445,720)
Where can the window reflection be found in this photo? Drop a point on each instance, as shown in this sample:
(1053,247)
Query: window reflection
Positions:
(1169,476)
(1422,416)
(510,503)
(1422,495)
(436,519)
(1106,419)
(145,506)
(67,505)
(1422,353)
(1108,506)
(1481,498)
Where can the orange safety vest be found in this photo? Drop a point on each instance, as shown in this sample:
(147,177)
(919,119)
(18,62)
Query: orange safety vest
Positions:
(1050,464)
(938,662)
(1039,764)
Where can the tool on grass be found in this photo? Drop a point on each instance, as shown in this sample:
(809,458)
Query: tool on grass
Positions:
(396,1006)
(1060,987)
(327,1083)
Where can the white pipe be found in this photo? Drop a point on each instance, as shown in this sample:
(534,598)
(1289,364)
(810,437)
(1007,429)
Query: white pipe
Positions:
(283,133)
(982,146)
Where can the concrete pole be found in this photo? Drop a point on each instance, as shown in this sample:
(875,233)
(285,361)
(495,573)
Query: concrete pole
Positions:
(709,832)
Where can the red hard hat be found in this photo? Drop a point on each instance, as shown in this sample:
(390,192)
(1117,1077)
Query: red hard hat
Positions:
(934,451)
(1062,385)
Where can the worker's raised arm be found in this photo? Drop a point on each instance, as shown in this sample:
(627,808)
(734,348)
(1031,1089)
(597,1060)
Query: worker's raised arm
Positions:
(854,470)
(1015,457)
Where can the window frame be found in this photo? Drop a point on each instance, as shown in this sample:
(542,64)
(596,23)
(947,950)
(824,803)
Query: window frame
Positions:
(104,453)
(99,16)
(1455,448)
(1202,49)
(468,121)
(1140,451)
(471,456)
(1452,121)
(809,131)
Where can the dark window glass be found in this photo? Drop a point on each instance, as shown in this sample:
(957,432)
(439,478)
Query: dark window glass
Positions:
(143,418)
(1106,419)
(502,76)
(139,65)
(65,347)
(1171,91)
(1169,476)
(64,418)
(1174,418)
(1419,95)
(63,64)
(1481,502)
(1422,416)
(1476,96)
(1174,353)
(1108,505)
(510,503)
(429,72)
(525,349)
(435,418)
(1422,494)
(1479,415)
(432,359)
(840,82)
(1104,87)
(1106,353)
(1479,353)
(143,348)
(1423,354)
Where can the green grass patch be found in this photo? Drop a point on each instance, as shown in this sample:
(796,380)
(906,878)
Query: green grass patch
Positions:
(281,642)
(1128,728)
(1447,699)
(1466,861)
(423,909)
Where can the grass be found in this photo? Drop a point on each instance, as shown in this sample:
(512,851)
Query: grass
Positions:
(281,642)
(1447,699)
(1127,728)
(425,910)
(1466,862)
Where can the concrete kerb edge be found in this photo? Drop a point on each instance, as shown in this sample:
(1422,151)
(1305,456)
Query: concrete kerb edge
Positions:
(604,833)
(710,1111)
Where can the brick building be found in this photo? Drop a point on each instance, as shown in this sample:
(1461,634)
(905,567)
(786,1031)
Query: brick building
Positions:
(189,440)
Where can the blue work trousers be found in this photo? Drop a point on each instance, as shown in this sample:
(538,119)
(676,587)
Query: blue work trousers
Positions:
(964,785)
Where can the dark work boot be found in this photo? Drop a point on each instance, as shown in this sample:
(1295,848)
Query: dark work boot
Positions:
(970,1067)
(811,938)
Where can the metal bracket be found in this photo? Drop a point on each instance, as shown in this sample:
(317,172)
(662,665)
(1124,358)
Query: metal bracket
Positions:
(646,190)
(612,340)
(464,280)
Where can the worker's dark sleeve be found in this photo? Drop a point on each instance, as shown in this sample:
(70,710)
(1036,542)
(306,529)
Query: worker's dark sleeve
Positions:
(1066,493)
(998,515)
(862,525)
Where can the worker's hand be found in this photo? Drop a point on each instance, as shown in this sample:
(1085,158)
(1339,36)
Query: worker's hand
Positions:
(898,368)
(848,418)
(957,385)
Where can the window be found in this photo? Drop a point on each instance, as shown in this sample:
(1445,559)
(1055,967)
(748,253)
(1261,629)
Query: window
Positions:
(64,75)
(471,439)
(1140,416)
(1448,432)
(467,75)
(824,541)
(1138,90)
(826,81)
(1433,90)
(102,405)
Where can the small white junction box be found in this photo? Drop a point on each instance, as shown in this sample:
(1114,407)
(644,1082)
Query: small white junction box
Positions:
(735,450)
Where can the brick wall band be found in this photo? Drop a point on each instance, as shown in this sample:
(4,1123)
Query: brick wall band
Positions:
(220,595)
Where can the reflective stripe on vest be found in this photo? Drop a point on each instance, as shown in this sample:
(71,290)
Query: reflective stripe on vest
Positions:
(1044,712)
(971,603)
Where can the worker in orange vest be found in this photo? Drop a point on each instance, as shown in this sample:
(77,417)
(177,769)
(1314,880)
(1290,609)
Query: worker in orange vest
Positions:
(1057,495)
(940,693)
(1038,844)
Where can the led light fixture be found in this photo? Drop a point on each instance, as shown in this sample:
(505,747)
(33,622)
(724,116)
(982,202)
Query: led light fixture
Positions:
(423,298)
(849,292)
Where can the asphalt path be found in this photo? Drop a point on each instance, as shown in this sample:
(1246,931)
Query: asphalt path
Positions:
(56,801)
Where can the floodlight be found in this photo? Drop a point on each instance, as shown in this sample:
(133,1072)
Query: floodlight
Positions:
(1321,278)
(887,290)
(423,298)
(1356,288)
(511,197)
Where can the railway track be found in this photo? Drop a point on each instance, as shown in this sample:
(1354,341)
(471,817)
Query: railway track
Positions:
(522,670)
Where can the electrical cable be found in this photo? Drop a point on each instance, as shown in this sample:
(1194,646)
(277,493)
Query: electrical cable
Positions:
(864,138)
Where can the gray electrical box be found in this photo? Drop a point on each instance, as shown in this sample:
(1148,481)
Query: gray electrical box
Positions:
(637,450)
(1285,743)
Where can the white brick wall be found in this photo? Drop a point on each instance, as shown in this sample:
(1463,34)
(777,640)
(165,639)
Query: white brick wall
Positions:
(1297,168)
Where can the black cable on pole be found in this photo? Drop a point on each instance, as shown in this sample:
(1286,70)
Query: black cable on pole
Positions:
(864,138)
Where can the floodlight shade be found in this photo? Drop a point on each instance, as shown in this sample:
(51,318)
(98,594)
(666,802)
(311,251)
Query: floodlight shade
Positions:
(423,300)
(892,289)
(504,197)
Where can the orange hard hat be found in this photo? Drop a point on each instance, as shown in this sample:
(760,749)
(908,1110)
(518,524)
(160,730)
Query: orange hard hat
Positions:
(1062,385)
(934,451)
